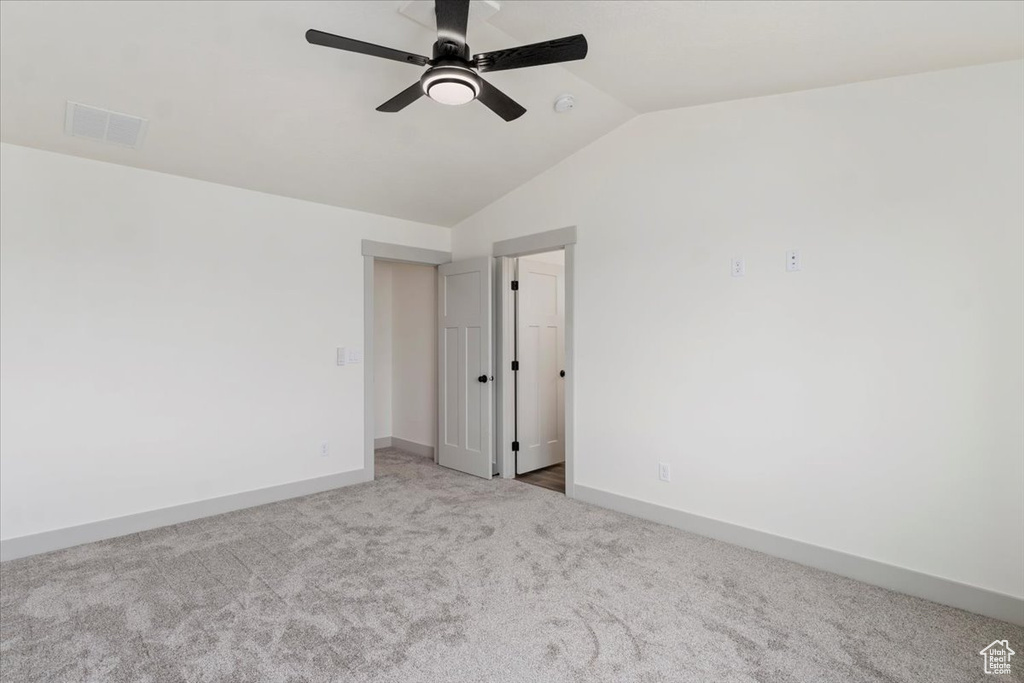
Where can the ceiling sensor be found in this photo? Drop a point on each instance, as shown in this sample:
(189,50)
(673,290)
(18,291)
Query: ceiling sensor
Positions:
(565,103)
(124,130)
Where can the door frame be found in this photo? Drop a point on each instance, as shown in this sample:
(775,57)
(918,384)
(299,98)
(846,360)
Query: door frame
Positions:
(384,251)
(504,251)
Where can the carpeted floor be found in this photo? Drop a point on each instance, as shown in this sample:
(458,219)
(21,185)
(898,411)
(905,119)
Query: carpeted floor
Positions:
(430,575)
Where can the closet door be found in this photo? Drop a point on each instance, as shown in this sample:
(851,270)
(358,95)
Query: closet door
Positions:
(541,354)
(465,376)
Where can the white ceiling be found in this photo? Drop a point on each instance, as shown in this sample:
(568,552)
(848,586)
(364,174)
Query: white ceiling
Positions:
(664,55)
(235,95)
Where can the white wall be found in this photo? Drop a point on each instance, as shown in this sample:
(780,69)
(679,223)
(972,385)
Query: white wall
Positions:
(382,348)
(871,403)
(165,340)
(414,369)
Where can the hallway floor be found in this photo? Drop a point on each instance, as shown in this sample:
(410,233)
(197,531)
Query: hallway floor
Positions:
(552,478)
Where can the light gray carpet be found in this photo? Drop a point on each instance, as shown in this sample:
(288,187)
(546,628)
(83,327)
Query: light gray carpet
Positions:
(430,575)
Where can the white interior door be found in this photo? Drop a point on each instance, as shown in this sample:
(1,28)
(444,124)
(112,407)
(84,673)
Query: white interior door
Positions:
(464,375)
(541,355)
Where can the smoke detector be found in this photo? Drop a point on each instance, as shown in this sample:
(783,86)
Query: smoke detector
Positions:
(565,103)
(123,130)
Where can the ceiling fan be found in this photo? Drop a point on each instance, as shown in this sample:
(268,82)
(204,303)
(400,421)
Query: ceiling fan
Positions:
(451,75)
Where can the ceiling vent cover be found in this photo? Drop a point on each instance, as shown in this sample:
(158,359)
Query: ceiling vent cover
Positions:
(123,130)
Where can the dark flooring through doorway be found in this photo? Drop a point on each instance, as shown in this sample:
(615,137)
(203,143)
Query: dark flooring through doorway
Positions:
(552,478)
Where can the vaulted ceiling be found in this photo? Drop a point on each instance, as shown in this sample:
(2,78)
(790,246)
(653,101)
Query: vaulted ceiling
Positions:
(236,96)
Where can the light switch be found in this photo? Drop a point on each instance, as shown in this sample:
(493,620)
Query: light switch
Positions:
(341,355)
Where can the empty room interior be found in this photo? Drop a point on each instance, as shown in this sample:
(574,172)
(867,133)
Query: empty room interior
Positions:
(502,340)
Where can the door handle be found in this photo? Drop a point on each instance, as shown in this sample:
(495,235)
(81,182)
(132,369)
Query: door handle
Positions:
(481,378)
(562,373)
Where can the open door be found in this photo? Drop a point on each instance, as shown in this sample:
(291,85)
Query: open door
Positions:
(541,355)
(465,377)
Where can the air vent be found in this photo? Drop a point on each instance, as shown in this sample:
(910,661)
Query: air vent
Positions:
(123,130)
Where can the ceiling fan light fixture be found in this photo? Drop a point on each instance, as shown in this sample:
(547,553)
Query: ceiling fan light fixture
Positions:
(451,76)
(451,85)
(451,92)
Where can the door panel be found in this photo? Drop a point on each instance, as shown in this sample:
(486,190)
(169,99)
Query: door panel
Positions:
(541,402)
(547,388)
(449,391)
(474,390)
(464,354)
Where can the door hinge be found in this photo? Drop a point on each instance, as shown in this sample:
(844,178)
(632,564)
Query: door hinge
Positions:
(515,285)
(515,366)
(515,446)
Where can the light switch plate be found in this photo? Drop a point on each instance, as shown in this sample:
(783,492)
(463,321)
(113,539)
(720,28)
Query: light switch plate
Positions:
(739,269)
(341,355)
(353,356)
(792,260)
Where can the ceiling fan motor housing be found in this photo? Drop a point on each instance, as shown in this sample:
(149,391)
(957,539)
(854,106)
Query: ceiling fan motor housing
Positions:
(445,49)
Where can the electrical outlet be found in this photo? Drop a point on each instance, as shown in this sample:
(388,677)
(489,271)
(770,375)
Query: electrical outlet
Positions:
(738,269)
(325,449)
(664,471)
(792,260)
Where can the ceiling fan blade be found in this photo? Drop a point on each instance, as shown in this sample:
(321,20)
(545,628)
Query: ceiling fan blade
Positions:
(566,49)
(500,103)
(350,44)
(452,17)
(403,99)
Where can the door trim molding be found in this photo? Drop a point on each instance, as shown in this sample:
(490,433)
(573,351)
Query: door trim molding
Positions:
(404,254)
(552,240)
(385,252)
(504,392)
(892,577)
(570,368)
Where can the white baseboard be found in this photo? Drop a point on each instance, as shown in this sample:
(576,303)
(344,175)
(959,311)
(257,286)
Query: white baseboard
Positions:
(45,541)
(412,447)
(382,442)
(937,589)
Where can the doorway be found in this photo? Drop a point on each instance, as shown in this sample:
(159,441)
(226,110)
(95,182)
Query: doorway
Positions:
(475,385)
(385,254)
(535,300)
(538,369)
(404,352)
